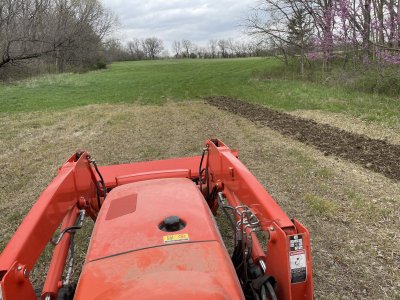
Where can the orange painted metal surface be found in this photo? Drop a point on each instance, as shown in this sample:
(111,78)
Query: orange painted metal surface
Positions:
(156,200)
(241,187)
(179,173)
(112,173)
(224,166)
(57,264)
(179,271)
(75,180)
(129,255)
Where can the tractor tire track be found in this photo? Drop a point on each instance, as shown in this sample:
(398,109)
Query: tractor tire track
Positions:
(376,155)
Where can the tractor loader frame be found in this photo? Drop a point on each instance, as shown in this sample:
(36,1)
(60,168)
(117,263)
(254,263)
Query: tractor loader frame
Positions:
(81,188)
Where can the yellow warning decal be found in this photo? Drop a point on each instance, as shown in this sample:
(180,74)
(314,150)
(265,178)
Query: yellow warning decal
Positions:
(175,237)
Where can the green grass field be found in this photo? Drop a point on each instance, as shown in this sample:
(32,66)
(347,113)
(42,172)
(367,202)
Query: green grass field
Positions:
(154,82)
(140,111)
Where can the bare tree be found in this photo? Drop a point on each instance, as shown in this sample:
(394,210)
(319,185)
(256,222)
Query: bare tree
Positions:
(135,49)
(17,18)
(223,45)
(366,11)
(299,29)
(240,49)
(201,52)
(230,47)
(152,47)
(115,51)
(69,31)
(177,48)
(212,46)
(287,24)
(194,51)
(187,47)
(77,29)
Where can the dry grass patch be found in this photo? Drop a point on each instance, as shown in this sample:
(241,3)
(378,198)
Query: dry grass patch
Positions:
(351,212)
(320,206)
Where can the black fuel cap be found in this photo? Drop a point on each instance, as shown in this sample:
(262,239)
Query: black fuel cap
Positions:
(172,223)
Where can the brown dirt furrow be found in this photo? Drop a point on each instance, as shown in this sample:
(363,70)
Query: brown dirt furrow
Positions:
(377,155)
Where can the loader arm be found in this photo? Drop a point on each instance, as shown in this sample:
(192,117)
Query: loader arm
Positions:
(240,187)
(72,188)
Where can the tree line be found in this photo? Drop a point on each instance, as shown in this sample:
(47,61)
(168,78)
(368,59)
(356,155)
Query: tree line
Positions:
(153,48)
(222,48)
(357,31)
(52,34)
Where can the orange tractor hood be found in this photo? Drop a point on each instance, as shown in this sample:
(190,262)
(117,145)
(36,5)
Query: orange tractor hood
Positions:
(130,257)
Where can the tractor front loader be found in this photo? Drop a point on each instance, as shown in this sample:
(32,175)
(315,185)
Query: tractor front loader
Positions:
(155,236)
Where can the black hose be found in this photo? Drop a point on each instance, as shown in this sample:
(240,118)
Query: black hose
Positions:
(101,179)
(71,229)
(207,185)
(98,194)
(229,218)
(271,290)
(201,170)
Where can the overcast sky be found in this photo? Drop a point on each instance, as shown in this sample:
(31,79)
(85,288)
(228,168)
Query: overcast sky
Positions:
(197,20)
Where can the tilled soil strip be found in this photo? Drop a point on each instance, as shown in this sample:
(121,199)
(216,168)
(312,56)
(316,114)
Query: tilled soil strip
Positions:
(377,155)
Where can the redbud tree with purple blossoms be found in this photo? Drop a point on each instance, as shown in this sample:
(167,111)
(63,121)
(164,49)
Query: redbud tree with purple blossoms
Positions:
(362,32)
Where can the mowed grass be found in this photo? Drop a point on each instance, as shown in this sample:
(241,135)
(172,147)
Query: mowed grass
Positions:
(154,82)
(351,212)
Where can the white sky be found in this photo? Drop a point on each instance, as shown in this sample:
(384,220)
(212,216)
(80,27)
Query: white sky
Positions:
(169,20)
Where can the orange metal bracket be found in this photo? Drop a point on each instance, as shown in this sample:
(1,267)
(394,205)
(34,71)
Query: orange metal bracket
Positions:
(241,187)
(75,181)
